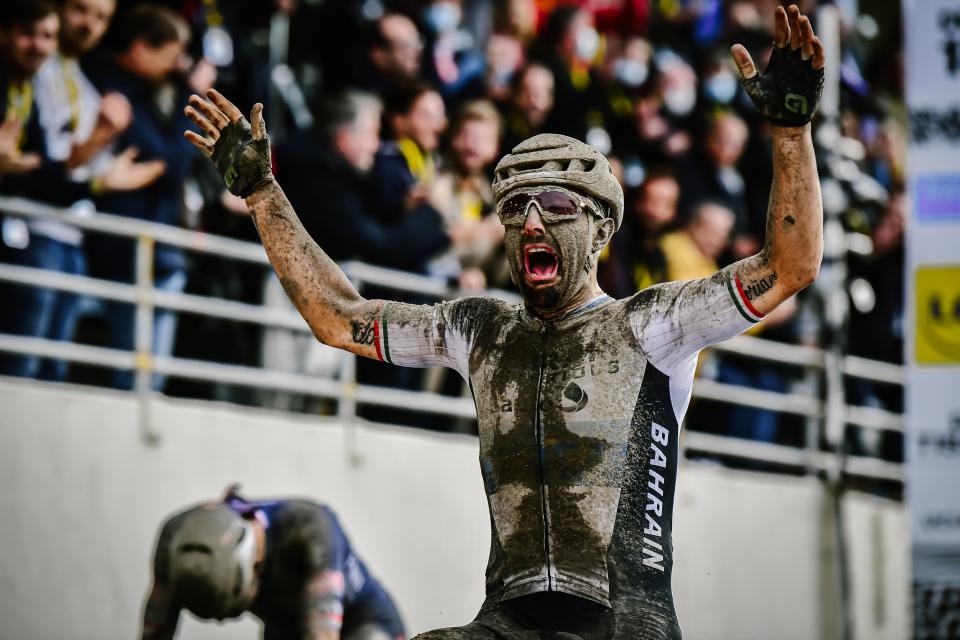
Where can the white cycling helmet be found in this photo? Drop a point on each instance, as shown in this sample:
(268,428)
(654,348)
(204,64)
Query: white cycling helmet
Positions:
(551,158)
(212,558)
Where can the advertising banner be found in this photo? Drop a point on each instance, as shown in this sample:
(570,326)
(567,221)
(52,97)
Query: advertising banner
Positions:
(932,30)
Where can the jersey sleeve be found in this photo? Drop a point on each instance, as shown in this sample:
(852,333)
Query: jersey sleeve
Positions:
(160,613)
(327,588)
(675,320)
(430,335)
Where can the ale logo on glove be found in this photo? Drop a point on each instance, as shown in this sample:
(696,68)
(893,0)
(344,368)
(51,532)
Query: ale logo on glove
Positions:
(795,103)
(230,176)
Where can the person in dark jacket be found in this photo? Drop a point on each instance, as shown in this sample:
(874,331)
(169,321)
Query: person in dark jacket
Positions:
(149,43)
(328,173)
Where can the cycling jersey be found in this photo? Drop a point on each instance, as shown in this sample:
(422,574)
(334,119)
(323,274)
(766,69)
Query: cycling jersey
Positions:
(579,422)
(310,577)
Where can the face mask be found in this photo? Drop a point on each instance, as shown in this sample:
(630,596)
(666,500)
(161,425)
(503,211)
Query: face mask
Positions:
(680,101)
(587,44)
(443,16)
(631,73)
(720,87)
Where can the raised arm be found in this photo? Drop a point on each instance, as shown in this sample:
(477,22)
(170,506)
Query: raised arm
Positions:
(160,615)
(786,94)
(332,307)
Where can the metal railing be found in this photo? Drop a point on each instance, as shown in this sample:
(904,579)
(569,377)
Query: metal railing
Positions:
(818,409)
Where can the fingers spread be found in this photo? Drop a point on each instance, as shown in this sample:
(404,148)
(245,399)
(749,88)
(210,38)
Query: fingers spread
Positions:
(206,146)
(806,38)
(793,16)
(781,28)
(209,111)
(128,154)
(227,107)
(156,168)
(744,62)
(27,162)
(819,58)
(202,122)
(256,122)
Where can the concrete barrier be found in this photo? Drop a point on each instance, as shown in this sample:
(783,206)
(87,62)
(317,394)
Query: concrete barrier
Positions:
(81,497)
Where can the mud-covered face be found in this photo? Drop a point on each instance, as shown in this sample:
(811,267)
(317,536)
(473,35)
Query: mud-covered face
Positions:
(551,259)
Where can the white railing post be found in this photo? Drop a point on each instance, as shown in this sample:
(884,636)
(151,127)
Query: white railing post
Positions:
(347,402)
(143,336)
(811,425)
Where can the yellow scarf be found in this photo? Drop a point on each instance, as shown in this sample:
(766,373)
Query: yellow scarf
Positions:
(419,163)
(19,106)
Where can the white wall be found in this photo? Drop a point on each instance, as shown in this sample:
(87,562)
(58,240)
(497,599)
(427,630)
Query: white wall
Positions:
(81,497)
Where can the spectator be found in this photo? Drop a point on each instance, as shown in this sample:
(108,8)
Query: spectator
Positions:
(569,47)
(393,55)
(636,259)
(474,139)
(624,75)
(711,173)
(55,115)
(661,110)
(150,43)
(692,252)
(333,166)
(405,167)
(514,27)
(530,105)
(453,62)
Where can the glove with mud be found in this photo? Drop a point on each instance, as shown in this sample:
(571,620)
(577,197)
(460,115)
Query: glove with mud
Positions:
(788,91)
(240,150)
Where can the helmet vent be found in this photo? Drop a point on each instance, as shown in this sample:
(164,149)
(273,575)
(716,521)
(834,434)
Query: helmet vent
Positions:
(197,548)
(578,164)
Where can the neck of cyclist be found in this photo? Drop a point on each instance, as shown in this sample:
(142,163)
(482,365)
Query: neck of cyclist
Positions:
(590,290)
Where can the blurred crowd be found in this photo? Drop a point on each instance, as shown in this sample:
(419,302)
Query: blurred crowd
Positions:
(386,120)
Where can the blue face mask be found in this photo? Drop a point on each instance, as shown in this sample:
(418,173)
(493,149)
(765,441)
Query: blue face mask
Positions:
(587,44)
(631,73)
(443,16)
(720,88)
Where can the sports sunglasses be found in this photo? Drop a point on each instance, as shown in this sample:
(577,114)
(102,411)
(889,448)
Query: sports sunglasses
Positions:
(555,205)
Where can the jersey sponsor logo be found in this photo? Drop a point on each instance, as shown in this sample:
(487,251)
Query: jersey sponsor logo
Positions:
(575,394)
(653,531)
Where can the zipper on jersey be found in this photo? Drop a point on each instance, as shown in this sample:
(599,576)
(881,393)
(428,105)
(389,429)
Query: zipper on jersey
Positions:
(540,458)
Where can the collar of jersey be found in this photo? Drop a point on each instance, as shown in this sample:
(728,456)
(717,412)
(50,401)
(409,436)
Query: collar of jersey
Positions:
(586,306)
(576,311)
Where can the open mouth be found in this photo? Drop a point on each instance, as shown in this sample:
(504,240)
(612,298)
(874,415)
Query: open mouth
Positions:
(541,262)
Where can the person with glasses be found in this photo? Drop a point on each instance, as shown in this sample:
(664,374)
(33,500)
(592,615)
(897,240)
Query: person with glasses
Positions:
(288,562)
(579,396)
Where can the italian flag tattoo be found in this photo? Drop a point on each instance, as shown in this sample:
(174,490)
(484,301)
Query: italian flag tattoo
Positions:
(740,299)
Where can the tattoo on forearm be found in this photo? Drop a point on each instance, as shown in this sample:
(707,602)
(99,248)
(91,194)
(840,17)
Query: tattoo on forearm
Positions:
(362,331)
(756,289)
